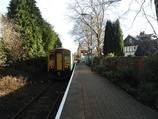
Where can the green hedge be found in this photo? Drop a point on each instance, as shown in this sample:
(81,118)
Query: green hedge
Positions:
(136,75)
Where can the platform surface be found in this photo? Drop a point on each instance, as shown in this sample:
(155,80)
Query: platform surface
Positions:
(94,97)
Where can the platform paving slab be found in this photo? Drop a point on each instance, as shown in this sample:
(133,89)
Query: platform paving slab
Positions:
(94,97)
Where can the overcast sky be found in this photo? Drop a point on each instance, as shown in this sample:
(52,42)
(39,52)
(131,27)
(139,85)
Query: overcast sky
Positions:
(54,12)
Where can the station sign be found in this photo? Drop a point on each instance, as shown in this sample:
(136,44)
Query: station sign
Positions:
(84,51)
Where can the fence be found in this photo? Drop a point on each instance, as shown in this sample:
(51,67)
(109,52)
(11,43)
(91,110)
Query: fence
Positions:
(112,63)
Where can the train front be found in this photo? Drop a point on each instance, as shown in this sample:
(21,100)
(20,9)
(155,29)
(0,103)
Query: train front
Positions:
(59,63)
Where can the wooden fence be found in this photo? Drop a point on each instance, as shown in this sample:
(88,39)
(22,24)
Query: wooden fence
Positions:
(136,63)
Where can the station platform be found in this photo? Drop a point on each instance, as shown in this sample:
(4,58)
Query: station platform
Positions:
(94,97)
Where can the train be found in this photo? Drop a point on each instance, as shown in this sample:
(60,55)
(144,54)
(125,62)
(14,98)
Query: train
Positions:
(60,63)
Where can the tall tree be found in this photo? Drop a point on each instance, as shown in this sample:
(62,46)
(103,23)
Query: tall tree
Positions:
(28,17)
(113,39)
(89,14)
(58,43)
(118,39)
(37,34)
(49,37)
(108,38)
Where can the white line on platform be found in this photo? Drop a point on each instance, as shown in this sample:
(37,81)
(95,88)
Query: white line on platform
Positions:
(65,96)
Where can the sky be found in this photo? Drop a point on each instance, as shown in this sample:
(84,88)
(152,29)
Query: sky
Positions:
(53,11)
(134,27)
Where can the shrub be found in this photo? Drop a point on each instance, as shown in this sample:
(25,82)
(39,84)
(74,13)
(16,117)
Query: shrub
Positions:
(151,64)
(146,91)
(128,76)
(111,63)
(96,61)
(99,69)
(9,83)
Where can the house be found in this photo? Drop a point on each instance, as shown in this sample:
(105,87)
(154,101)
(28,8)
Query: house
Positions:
(131,43)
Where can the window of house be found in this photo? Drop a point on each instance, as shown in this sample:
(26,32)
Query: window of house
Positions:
(130,40)
(134,48)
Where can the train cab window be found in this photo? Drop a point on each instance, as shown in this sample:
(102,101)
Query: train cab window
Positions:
(66,56)
(52,57)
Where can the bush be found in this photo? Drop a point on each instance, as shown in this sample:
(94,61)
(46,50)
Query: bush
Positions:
(9,83)
(108,73)
(113,75)
(151,69)
(96,61)
(146,92)
(99,69)
(111,63)
(128,76)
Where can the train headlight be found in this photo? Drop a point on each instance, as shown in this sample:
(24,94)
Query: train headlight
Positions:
(51,67)
(66,66)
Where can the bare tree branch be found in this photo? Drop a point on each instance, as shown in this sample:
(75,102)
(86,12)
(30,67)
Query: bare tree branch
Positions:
(12,43)
(141,6)
(93,20)
(148,20)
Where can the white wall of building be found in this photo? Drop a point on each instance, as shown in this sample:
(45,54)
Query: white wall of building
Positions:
(130,50)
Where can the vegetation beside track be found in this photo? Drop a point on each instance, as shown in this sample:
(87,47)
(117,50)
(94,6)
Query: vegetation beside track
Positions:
(19,83)
(137,78)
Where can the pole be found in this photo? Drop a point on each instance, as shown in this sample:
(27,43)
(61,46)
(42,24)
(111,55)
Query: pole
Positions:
(91,46)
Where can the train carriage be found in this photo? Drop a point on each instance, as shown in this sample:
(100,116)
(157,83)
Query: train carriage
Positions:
(60,62)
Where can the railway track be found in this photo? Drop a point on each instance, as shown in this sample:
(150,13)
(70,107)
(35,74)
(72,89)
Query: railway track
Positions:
(45,104)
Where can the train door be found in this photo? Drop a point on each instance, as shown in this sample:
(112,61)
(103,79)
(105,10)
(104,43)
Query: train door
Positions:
(59,62)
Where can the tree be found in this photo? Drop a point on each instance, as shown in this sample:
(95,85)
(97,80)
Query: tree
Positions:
(93,21)
(147,48)
(142,9)
(57,43)
(118,39)
(11,43)
(156,7)
(28,17)
(37,34)
(108,38)
(50,37)
(113,39)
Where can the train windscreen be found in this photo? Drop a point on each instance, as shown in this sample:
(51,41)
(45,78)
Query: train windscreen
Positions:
(66,56)
(52,57)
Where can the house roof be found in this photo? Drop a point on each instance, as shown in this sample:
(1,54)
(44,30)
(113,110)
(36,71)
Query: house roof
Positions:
(146,36)
(134,40)
(134,36)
